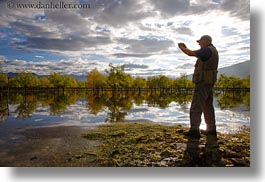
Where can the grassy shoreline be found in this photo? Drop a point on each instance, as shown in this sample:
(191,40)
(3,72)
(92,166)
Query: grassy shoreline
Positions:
(126,145)
(146,145)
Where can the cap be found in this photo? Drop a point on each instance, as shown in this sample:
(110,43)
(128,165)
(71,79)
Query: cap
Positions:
(206,37)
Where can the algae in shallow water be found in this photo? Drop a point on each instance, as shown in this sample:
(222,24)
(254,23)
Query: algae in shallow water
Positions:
(136,144)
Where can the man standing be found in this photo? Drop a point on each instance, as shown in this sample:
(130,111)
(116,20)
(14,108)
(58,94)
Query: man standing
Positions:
(204,77)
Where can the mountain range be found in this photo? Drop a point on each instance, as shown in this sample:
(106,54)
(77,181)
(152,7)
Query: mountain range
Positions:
(240,70)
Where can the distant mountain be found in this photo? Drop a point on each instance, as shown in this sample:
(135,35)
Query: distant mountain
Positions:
(240,70)
(11,74)
(80,78)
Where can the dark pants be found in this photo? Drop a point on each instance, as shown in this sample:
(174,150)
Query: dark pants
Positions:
(202,101)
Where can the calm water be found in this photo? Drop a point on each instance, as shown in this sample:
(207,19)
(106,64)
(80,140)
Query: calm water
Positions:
(21,112)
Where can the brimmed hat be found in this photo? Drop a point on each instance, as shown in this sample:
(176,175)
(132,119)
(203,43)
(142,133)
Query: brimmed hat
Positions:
(206,37)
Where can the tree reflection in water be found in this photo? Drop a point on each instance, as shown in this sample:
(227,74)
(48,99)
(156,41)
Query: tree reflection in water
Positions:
(4,112)
(233,99)
(26,107)
(115,104)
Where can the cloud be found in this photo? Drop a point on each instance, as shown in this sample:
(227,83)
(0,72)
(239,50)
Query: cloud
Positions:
(122,32)
(69,21)
(117,13)
(60,30)
(71,43)
(39,56)
(146,45)
(202,6)
(184,31)
(170,8)
(186,66)
(2,58)
(32,29)
(137,66)
(83,66)
(124,55)
(68,66)
(237,8)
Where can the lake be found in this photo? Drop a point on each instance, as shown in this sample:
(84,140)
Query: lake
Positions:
(85,109)
(43,129)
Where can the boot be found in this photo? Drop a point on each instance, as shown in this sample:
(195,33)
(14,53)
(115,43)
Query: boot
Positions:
(193,134)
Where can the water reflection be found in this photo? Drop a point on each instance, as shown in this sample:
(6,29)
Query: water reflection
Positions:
(115,105)
(233,99)
(27,106)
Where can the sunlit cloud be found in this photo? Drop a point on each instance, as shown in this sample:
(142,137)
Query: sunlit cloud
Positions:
(144,32)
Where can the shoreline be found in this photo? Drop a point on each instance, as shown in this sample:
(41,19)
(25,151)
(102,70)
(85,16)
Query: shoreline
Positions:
(155,145)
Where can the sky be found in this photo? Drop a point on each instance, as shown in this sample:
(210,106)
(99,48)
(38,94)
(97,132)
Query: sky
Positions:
(142,35)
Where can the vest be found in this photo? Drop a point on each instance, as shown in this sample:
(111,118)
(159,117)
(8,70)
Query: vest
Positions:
(206,71)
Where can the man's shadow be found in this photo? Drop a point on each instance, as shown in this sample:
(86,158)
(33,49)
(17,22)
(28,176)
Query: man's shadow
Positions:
(200,155)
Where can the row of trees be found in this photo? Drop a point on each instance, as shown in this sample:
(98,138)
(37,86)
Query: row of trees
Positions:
(30,80)
(233,82)
(115,77)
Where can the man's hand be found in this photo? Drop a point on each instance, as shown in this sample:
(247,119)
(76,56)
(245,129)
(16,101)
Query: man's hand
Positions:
(182,45)
(184,48)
